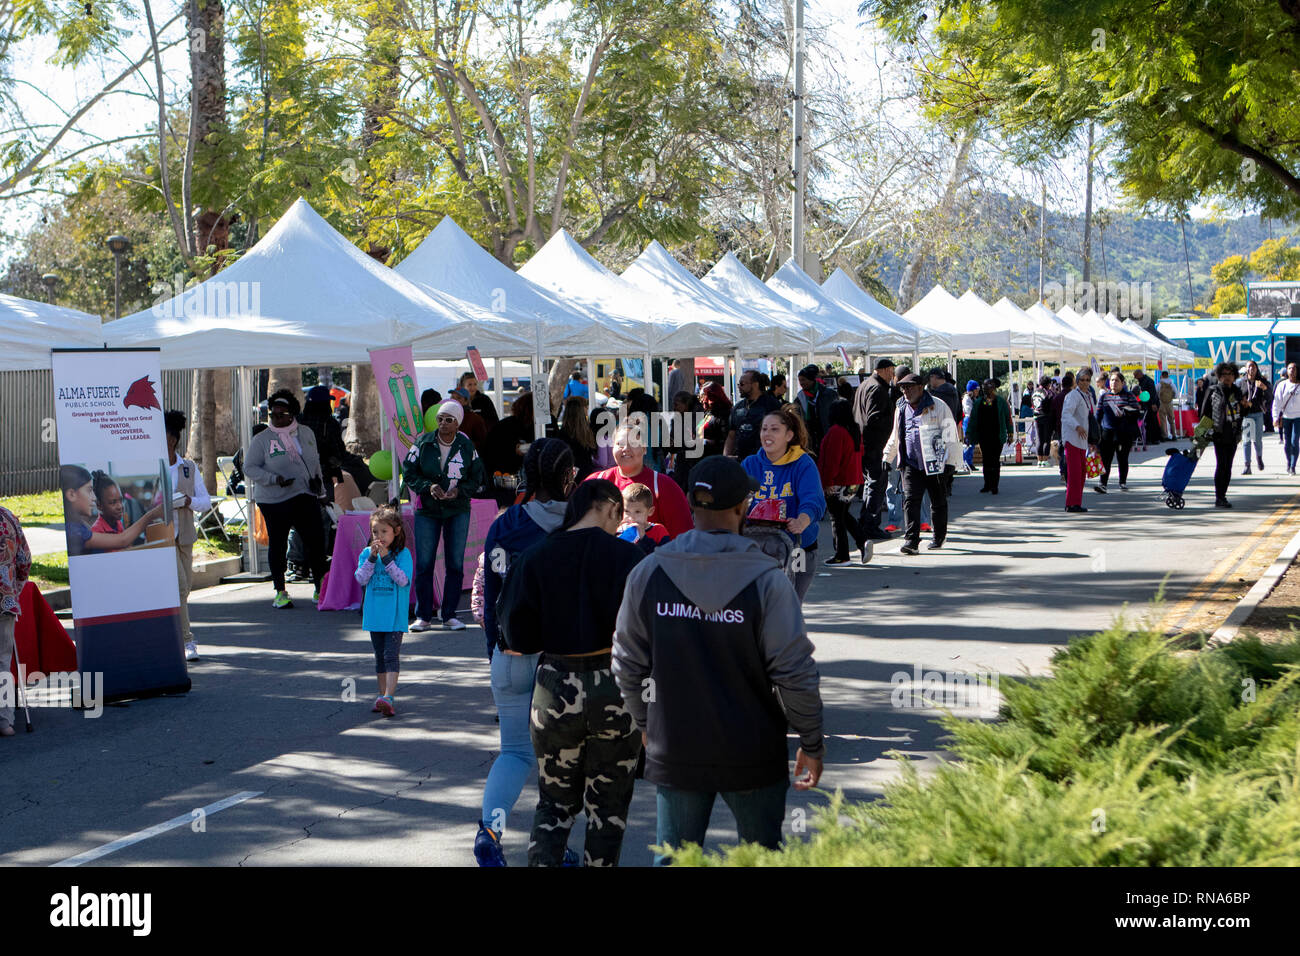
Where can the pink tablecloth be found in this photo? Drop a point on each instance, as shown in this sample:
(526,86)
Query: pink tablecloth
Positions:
(340,591)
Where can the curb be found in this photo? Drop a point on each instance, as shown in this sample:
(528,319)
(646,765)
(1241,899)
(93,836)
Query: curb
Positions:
(1256,595)
(206,574)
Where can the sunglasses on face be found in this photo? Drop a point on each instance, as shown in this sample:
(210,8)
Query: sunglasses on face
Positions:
(443,419)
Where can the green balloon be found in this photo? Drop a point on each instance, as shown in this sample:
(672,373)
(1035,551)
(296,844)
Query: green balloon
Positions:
(1145,396)
(381,464)
(431,419)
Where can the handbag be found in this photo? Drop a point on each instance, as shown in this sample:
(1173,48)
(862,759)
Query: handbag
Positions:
(1094,431)
(1092,464)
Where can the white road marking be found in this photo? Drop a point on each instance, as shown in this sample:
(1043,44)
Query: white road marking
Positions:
(1034,501)
(153,831)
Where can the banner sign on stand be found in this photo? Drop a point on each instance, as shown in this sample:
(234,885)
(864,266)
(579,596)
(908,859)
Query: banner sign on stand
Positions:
(399,396)
(476,363)
(113,472)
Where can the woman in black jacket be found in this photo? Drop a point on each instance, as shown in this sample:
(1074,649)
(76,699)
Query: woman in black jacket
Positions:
(564,595)
(1223,405)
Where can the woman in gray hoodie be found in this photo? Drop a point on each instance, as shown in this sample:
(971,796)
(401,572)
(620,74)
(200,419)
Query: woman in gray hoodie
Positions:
(284,467)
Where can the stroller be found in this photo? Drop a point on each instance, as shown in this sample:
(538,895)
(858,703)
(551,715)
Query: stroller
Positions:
(1181,464)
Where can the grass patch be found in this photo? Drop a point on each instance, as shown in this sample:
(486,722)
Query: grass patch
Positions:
(1131,754)
(49,570)
(41,508)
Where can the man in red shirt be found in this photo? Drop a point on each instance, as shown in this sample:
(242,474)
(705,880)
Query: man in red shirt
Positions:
(670,507)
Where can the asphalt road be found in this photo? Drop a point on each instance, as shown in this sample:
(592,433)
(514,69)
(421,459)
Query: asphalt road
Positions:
(334,784)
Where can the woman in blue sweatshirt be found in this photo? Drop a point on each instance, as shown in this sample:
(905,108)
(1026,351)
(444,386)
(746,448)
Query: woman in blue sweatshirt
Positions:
(549,476)
(784,470)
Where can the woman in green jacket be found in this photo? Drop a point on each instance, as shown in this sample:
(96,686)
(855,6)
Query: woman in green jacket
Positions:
(446,472)
(989,426)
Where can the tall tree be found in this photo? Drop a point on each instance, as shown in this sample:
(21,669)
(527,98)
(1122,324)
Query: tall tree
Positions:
(1197,98)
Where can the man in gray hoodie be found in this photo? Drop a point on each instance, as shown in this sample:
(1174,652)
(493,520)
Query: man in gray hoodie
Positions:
(713,662)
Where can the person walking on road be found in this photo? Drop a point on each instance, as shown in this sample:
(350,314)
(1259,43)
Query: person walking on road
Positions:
(284,466)
(747,417)
(1254,403)
(1118,413)
(990,424)
(549,479)
(564,596)
(713,660)
(925,446)
(1224,405)
(630,468)
(1065,386)
(1286,414)
(814,400)
(840,465)
(1044,422)
(445,470)
(785,471)
(1078,421)
(15,565)
(873,410)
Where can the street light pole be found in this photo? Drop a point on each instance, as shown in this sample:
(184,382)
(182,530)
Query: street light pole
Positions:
(797,153)
(118,245)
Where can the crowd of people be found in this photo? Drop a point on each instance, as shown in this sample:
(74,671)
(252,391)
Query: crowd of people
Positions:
(637,619)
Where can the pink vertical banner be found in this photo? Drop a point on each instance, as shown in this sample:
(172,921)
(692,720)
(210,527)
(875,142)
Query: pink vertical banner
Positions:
(399,394)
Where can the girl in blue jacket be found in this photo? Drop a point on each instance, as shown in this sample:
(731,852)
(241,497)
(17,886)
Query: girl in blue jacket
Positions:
(384,570)
(785,470)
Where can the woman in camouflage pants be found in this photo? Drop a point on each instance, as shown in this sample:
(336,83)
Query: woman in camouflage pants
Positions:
(564,599)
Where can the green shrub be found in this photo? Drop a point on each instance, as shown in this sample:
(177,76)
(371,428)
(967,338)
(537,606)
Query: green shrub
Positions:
(1131,754)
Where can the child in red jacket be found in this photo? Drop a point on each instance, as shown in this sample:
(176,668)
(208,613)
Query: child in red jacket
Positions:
(840,465)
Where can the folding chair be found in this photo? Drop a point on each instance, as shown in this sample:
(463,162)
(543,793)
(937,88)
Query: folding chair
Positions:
(235,518)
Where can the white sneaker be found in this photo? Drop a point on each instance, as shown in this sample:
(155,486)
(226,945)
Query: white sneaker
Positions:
(453,624)
(191,651)
(420,624)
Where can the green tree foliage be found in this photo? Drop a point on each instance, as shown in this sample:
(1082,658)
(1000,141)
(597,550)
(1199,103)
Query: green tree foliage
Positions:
(1197,99)
(1275,259)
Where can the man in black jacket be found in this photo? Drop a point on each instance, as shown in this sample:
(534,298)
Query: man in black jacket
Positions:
(756,403)
(714,663)
(873,409)
(1224,406)
(815,400)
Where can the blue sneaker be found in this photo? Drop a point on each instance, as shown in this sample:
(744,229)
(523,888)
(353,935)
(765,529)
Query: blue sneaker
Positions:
(571,858)
(487,847)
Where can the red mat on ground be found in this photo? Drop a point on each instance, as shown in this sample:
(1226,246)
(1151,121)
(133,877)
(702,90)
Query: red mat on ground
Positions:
(40,638)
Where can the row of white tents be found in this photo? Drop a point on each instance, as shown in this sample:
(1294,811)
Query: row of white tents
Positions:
(304,294)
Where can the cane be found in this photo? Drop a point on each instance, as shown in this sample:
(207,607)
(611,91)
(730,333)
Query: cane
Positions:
(22,691)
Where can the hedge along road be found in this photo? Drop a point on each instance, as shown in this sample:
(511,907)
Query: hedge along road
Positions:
(335,784)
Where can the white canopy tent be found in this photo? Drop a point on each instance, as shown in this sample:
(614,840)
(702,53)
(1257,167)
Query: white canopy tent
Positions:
(305,295)
(1107,343)
(656,273)
(836,324)
(1078,347)
(1053,340)
(29,329)
(991,333)
(730,278)
(1162,351)
(570,272)
(939,312)
(842,289)
(449,261)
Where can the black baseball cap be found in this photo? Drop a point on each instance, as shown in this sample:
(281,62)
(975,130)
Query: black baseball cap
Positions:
(718,483)
(809,371)
(909,380)
(884,363)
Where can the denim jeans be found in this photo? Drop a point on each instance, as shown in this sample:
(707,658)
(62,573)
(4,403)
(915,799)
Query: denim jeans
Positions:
(512,689)
(1291,440)
(453,530)
(683,815)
